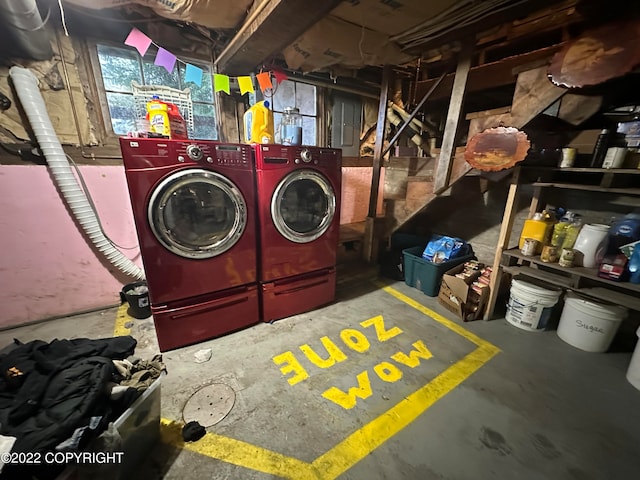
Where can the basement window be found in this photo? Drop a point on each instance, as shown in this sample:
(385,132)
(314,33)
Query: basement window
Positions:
(120,66)
(302,96)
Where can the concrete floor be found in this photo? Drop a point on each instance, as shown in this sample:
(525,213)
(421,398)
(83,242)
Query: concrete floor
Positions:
(483,400)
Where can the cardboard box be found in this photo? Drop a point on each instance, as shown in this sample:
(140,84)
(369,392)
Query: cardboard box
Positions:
(424,275)
(454,295)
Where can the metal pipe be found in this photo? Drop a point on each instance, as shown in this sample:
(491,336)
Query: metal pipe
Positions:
(413,114)
(332,85)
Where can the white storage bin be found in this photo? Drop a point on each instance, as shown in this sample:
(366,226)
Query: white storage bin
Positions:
(139,428)
(633,372)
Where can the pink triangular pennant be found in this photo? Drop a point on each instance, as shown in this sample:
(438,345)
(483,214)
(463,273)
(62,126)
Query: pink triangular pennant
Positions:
(138,40)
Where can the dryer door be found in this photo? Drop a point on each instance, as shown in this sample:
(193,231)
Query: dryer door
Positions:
(303,205)
(197,213)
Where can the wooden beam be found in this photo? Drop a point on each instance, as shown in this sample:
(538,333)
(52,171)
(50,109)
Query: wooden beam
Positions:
(509,14)
(576,109)
(227,118)
(443,167)
(489,75)
(533,95)
(369,240)
(274,26)
(357,161)
(509,216)
(487,113)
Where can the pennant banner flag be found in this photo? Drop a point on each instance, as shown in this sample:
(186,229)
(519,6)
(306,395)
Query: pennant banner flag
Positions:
(280,76)
(193,74)
(166,59)
(264,80)
(221,83)
(246,85)
(138,40)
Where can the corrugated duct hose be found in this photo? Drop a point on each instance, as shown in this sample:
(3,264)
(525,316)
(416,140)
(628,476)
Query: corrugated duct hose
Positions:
(26,85)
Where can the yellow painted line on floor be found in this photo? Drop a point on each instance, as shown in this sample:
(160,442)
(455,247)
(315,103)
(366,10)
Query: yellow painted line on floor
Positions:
(473,338)
(365,440)
(122,317)
(239,453)
(360,443)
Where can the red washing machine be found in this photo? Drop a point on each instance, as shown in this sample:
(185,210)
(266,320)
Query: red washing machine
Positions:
(193,205)
(299,220)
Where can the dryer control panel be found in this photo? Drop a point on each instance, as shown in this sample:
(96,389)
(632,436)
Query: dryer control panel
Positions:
(154,152)
(274,155)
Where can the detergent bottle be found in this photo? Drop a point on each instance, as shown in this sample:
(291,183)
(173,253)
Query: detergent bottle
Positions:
(258,123)
(536,228)
(158,116)
(177,124)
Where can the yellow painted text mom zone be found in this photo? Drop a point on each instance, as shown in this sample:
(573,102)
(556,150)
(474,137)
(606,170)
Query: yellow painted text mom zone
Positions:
(353,340)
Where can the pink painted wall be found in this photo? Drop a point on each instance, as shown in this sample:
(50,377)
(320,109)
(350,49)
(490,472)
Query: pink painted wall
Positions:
(47,268)
(356,188)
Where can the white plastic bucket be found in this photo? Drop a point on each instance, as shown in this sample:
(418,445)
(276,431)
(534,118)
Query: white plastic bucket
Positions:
(633,372)
(588,325)
(530,305)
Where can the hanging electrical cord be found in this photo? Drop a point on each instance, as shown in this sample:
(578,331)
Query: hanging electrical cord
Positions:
(85,189)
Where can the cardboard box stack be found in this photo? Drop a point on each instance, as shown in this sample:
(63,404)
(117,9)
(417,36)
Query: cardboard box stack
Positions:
(465,289)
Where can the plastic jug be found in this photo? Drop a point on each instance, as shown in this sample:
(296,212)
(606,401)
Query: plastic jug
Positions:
(626,230)
(177,125)
(536,228)
(591,245)
(158,116)
(165,119)
(258,123)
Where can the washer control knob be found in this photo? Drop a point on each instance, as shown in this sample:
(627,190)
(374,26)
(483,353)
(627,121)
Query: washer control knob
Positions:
(194,152)
(180,158)
(209,159)
(305,155)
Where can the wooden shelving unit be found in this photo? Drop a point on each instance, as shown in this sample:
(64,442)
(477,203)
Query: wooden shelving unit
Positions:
(578,279)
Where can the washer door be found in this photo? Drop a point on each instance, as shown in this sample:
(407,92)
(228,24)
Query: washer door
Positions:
(197,213)
(303,205)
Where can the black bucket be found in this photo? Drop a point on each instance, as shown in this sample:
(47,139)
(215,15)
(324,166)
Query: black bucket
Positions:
(137,295)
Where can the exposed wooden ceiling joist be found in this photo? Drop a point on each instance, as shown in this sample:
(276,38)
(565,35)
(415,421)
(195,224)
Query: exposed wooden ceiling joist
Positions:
(277,24)
(506,14)
(490,75)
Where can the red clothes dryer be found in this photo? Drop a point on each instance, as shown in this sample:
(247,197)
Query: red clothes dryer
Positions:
(299,220)
(193,205)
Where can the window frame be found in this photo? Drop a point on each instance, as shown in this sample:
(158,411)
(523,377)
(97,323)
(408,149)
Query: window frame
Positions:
(319,103)
(96,69)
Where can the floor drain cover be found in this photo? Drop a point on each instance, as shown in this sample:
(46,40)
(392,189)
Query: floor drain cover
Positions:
(209,405)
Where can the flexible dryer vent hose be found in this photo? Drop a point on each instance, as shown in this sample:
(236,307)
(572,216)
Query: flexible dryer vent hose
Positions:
(26,85)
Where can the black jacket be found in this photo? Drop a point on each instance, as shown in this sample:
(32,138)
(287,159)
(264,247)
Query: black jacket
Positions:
(48,390)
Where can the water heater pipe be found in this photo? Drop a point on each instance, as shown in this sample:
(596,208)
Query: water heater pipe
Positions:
(26,85)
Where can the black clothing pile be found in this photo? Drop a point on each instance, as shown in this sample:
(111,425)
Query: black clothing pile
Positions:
(49,390)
